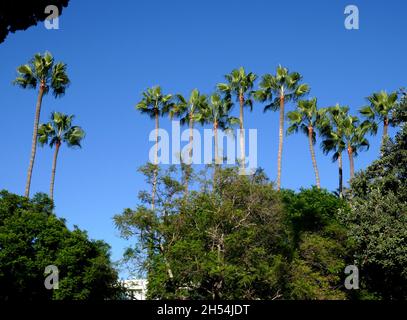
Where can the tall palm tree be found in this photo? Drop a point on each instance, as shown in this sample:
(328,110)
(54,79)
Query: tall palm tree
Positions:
(44,73)
(240,84)
(189,111)
(354,135)
(155,104)
(217,113)
(342,132)
(381,107)
(305,118)
(286,87)
(331,128)
(59,130)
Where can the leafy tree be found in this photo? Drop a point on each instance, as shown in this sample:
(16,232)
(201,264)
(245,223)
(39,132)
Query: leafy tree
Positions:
(44,73)
(286,87)
(381,107)
(56,132)
(305,118)
(377,221)
(155,104)
(20,15)
(32,237)
(320,250)
(400,111)
(240,240)
(240,84)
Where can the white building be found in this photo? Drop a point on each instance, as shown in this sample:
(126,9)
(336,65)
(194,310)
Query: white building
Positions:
(136,289)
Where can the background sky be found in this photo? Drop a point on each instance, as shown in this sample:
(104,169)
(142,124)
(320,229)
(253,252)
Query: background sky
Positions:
(117,49)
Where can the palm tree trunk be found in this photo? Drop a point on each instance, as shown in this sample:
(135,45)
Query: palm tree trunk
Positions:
(351,162)
(280,142)
(385,130)
(385,127)
(34,139)
(191,136)
(340,175)
(215,130)
(54,167)
(242,144)
(191,141)
(217,160)
(314,161)
(155,173)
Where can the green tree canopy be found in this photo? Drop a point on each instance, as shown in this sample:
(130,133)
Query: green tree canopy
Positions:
(377,222)
(32,237)
(238,240)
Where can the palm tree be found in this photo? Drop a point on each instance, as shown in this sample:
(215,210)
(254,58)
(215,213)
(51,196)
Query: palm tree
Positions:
(331,128)
(342,132)
(306,118)
(217,113)
(56,132)
(354,135)
(240,84)
(155,104)
(44,73)
(189,112)
(381,107)
(286,86)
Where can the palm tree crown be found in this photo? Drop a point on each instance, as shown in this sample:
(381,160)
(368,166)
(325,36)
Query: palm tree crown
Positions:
(217,112)
(240,84)
(380,108)
(190,109)
(154,102)
(306,118)
(283,85)
(43,70)
(60,130)
(331,128)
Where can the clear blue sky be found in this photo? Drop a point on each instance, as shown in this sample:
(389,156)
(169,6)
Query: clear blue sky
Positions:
(114,50)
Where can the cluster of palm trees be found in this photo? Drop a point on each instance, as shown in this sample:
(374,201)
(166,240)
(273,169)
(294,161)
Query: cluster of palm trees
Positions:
(44,74)
(338,129)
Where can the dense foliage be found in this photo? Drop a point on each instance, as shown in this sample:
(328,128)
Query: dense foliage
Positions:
(32,237)
(377,221)
(237,237)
